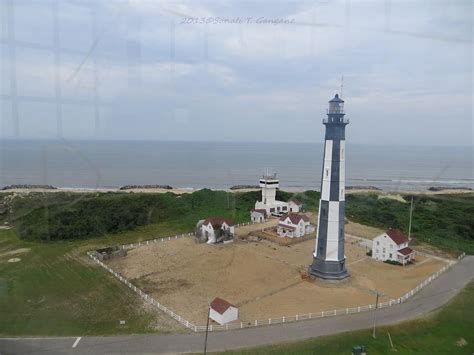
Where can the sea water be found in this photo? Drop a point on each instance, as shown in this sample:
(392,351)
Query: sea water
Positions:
(220,165)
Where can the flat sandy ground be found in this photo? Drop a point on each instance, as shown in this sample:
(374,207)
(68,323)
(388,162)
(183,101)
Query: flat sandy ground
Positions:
(261,278)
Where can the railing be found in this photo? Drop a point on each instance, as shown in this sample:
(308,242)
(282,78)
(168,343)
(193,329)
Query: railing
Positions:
(268,321)
(342,120)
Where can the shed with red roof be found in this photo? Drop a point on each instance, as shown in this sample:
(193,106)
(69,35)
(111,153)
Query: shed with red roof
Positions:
(222,311)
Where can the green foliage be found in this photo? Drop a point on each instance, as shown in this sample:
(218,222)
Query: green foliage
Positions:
(392,262)
(445,221)
(99,214)
(441,220)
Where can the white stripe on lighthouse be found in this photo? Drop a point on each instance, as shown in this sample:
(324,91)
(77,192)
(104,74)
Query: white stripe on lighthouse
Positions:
(333,231)
(326,185)
(342,171)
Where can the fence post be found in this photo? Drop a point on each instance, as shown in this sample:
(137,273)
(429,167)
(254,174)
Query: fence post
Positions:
(358,309)
(283,319)
(310,316)
(241,325)
(256,322)
(269,321)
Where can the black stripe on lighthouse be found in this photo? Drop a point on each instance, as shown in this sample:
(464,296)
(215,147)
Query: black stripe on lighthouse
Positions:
(335,165)
(323,229)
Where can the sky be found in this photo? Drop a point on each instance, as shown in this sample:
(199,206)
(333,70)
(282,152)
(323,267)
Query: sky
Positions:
(258,71)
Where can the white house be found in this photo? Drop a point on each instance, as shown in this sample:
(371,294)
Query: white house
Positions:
(295,206)
(222,311)
(258,215)
(294,225)
(269,184)
(215,227)
(392,245)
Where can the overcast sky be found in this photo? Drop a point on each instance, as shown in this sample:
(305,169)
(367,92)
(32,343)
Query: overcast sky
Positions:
(140,71)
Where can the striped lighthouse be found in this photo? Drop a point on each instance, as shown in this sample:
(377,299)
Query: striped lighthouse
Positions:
(328,257)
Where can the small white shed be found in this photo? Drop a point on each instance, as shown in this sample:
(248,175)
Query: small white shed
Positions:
(295,206)
(222,311)
(258,215)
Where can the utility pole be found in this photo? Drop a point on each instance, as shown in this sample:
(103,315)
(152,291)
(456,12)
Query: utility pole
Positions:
(411,214)
(207,328)
(377,294)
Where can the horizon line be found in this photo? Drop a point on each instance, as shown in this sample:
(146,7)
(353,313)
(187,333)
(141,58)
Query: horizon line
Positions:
(89,139)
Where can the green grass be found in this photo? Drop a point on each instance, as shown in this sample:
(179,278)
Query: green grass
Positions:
(56,290)
(437,333)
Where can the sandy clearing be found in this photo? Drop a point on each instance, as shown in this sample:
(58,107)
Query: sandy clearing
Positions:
(262,278)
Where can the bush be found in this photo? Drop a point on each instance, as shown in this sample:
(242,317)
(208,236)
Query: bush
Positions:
(392,262)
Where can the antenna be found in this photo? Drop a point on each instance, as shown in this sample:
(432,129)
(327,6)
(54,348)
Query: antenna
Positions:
(342,84)
(411,214)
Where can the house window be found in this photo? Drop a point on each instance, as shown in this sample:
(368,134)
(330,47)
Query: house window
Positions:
(384,250)
(284,208)
(378,243)
(390,255)
(272,210)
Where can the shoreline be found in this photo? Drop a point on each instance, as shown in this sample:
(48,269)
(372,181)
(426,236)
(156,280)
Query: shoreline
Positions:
(183,190)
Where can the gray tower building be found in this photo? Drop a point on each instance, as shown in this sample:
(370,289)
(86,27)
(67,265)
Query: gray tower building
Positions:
(328,256)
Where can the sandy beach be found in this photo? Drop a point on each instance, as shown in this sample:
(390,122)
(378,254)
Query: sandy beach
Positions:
(383,194)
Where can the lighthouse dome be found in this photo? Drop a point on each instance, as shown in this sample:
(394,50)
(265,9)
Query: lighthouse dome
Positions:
(336,99)
(336,105)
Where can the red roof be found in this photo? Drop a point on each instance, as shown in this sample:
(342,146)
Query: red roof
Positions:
(286,226)
(397,236)
(260,210)
(295,218)
(406,251)
(217,221)
(220,305)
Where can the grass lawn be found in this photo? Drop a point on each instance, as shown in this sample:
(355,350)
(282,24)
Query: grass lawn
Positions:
(447,331)
(56,290)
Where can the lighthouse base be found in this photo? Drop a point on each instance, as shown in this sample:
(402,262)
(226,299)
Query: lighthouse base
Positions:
(329,270)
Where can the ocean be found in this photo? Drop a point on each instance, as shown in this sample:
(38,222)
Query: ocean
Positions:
(220,165)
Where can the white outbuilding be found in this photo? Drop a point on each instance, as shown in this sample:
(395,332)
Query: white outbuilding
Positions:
(215,228)
(295,206)
(294,225)
(258,215)
(222,311)
(392,245)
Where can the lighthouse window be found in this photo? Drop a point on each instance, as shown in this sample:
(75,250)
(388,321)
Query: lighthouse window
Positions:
(342,153)
(324,212)
(327,172)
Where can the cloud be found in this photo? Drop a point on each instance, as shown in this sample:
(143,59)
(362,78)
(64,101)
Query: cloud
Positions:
(409,66)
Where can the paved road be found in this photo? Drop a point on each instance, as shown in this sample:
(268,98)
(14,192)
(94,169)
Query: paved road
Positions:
(431,297)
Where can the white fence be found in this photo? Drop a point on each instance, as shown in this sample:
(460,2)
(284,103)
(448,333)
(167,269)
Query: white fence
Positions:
(260,322)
